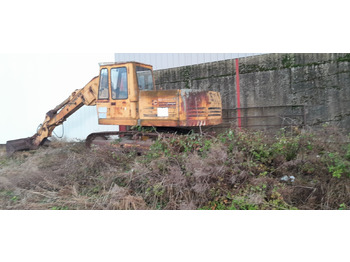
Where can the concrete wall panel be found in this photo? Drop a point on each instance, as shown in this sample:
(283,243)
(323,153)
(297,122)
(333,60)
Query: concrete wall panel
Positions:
(321,82)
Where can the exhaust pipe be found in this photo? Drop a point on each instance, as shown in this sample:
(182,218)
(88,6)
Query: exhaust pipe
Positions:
(22,144)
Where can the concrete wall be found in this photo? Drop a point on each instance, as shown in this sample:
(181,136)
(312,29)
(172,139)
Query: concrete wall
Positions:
(321,82)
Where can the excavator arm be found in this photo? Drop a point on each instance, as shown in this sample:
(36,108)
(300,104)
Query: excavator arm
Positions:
(55,117)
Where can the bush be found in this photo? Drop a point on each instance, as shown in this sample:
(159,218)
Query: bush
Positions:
(234,170)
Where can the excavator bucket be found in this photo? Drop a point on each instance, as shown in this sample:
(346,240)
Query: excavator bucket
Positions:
(22,144)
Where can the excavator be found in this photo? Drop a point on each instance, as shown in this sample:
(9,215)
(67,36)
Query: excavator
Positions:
(125,94)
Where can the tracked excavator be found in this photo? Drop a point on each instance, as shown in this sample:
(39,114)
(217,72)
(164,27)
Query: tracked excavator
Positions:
(125,94)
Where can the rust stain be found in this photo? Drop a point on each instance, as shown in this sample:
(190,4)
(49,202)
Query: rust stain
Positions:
(202,108)
(181,107)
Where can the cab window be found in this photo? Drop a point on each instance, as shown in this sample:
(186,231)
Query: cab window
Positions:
(103,87)
(119,83)
(144,78)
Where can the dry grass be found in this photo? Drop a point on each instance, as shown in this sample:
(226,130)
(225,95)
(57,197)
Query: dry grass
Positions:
(237,170)
(64,176)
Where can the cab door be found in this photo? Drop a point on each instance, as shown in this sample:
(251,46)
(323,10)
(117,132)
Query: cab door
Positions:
(113,104)
(120,102)
(103,98)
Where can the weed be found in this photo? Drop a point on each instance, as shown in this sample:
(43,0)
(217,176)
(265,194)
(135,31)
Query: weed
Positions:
(343,206)
(338,166)
(240,203)
(347,154)
(236,170)
(59,208)
(143,128)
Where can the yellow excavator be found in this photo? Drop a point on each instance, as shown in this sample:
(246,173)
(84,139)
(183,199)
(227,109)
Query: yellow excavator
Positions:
(125,94)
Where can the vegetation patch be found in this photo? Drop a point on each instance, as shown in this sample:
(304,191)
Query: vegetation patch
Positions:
(345,58)
(236,170)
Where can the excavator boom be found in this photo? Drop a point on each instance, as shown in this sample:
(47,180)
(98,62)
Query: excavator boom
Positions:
(55,117)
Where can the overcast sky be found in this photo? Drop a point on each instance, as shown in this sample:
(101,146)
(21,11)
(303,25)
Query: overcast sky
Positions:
(33,84)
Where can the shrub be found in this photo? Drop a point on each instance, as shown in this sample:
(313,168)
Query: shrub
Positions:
(234,170)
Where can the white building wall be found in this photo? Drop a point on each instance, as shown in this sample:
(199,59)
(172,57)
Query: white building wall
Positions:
(169,60)
(82,123)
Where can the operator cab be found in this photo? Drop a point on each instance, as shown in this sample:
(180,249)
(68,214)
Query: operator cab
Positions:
(115,75)
(118,92)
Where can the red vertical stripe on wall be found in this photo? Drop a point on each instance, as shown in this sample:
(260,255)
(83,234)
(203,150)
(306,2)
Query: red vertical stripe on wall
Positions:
(238,95)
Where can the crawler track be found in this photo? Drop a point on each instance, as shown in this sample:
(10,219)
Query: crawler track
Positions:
(141,141)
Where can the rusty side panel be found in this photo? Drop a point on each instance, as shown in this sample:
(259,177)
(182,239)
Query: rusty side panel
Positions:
(159,108)
(180,108)
(200,108)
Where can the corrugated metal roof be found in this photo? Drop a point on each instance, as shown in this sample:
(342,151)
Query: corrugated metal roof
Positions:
(169,60)
(119,63)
